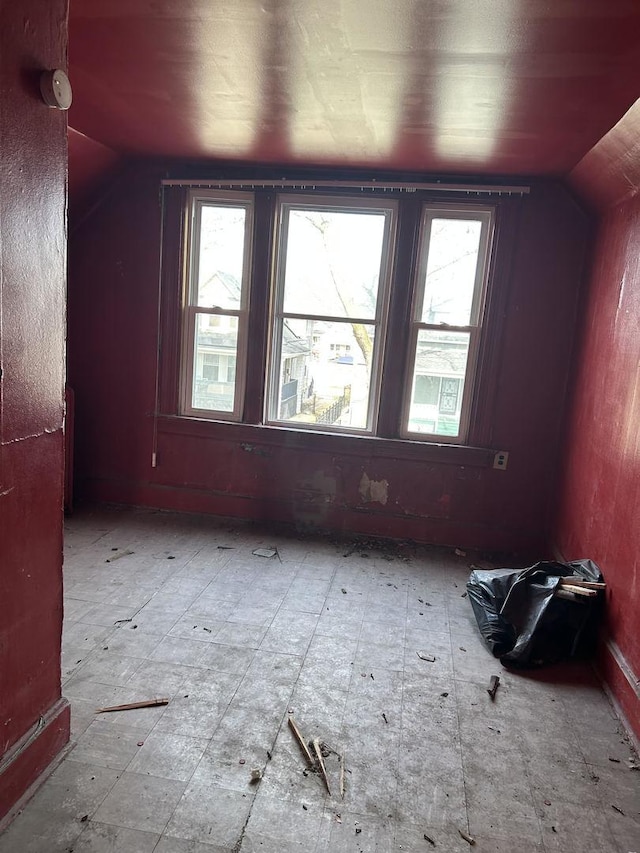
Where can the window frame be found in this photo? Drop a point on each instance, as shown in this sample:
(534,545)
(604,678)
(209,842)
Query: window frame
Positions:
(486,214)
(197,199)
(251,424)
(284,203)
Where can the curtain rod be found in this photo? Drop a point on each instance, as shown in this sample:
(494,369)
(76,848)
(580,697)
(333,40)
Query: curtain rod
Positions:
(244,183)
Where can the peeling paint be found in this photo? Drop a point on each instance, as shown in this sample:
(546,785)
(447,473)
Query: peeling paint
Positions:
(46,431)
(373,491)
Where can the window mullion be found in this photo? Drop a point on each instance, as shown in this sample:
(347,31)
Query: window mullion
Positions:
(396,353)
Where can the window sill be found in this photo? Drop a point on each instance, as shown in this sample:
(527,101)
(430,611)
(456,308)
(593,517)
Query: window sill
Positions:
(366,446)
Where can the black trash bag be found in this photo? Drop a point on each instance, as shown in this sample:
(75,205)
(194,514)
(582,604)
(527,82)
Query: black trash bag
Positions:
(521,620)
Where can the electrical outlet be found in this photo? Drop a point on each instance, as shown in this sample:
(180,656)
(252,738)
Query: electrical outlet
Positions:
(500,460)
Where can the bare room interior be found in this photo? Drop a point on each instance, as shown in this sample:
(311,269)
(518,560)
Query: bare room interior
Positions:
(309,311)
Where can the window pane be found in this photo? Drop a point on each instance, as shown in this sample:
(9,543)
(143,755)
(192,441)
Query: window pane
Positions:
(438,382)
(333,263)
(325,372)
(221,259)
(451,271)
(214,363)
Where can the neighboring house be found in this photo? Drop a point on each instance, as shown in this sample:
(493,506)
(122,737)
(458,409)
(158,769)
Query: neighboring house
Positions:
(438,385)
(216,356)
(296,377)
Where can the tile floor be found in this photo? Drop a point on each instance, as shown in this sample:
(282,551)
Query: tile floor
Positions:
(238,641)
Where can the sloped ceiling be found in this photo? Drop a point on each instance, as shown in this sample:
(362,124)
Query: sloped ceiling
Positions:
(457,86)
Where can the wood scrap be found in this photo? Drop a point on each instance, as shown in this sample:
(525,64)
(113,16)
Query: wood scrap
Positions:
(323,769)
(301,741)
(429,839)
(579,590)
(131,706)
(579,582)
(424,656)
(494,683)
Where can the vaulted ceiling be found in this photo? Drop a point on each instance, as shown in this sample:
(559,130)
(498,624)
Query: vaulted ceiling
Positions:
(457,86)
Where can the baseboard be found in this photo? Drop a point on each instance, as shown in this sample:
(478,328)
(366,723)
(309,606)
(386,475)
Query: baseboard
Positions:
(619,681)
(621,684)
(24,766)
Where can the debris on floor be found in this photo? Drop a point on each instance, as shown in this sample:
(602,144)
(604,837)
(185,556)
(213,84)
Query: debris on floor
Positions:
(256,774)
(125,553)
(427,657)
(539,615)
(460,553)
(468,838)
(494,683)
(264,552)
(301,741)
(320,760)
(316,752)
(131,706)
(429,839)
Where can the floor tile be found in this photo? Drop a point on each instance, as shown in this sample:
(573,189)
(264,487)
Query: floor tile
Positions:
(103,838)
(210,814)
(169,755)
(141,802)
(104,745)
(168,844)
(36,831)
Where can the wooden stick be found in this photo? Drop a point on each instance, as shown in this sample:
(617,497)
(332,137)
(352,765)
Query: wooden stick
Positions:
(147,703)
(467,837)
(580,590)
(301,741)
(585,584)
(323,769)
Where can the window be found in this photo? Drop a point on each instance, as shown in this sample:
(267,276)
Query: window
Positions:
(331,292)
(362,330)
(448,301)
(216,304)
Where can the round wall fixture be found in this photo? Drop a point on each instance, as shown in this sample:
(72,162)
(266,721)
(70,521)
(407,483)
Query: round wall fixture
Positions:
(56,89)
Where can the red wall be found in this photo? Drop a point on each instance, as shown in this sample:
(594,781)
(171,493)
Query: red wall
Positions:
(435,494)
(32,314)
(599,507)
(91,166)
(599,515)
